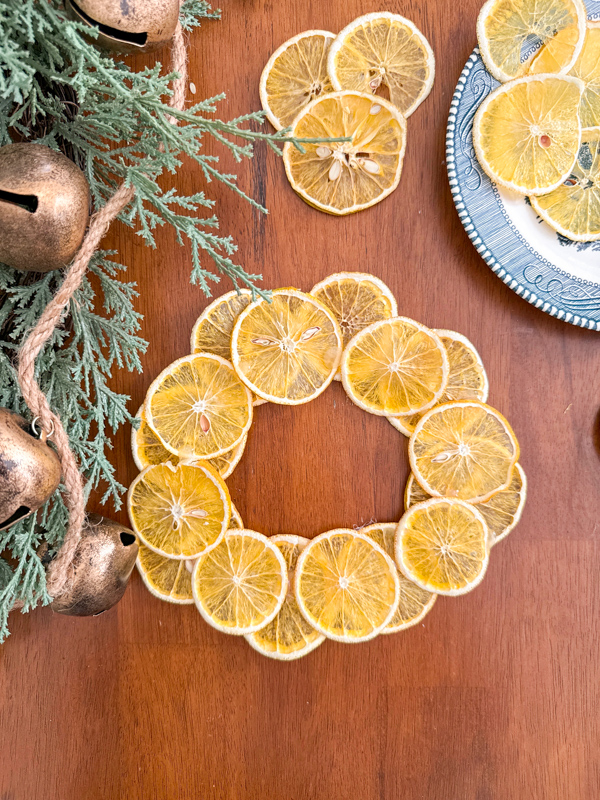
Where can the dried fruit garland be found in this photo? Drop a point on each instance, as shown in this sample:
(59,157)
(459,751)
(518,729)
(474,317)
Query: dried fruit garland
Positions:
(286,594)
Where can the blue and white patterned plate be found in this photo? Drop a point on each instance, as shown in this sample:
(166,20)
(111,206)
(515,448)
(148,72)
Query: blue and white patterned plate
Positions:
(553,273)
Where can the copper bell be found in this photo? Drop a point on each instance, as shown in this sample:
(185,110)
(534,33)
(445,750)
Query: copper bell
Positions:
(44,207)
(128,26)
(29,469)
(103,562)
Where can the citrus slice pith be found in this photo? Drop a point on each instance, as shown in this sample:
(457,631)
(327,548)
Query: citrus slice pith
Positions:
(239,586)
(286,351)
(345,177)
(395,366)
(573,209)
(442,545)
(356,299)
(467,378)
(463,450)
(166,578)
(346,586)
(587,69)
(148,449)
(501,512)
(414,601)
(179,512)
(199,407)
(383,49)
(288,636)
(508,30)
(295,75)
(527,132)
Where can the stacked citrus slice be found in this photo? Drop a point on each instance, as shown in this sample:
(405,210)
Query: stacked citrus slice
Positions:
(286,594)
(537,133)
(356,90)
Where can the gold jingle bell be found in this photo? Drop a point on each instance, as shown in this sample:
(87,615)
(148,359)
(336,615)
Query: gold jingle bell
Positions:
(44,207)
(29,469)
(128,26)
(103,562)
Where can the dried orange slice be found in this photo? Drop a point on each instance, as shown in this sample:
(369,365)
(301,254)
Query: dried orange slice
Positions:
(467,378)
(295,75)
(465,450)
(414,601)
(395,366)
(527,132)
(199,407)
(356,299)
(239,586)
(286,351)
(346,586)
(148,449)
(179,512)
(168,579)
(508,30)
(288,636)
(443,546)
(345,177)
(383,50)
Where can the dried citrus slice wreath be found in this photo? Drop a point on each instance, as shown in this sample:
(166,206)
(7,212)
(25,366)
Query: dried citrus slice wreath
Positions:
(286,594)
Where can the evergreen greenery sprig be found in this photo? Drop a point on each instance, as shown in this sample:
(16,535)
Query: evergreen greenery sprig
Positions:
(58,89)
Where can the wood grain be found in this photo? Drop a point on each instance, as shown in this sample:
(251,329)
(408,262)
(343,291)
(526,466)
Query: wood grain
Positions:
(495,695)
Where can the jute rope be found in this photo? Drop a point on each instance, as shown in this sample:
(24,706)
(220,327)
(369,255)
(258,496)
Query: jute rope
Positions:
(59,571)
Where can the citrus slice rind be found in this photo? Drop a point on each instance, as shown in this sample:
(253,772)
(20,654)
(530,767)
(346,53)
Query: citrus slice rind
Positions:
(414,602)
(587,69)
(463,450)
(295,75)
(467,378)
(508,29)
(573,210)
(346,586)
(383,48)
(356,299)
(168,579)
(179,511)
(527,132)
(395,366)
(236,518)
(345,177)
(199,407)
(239,586)
(501,512)
(212,330)
(288,636)
(286,351)
(442,545)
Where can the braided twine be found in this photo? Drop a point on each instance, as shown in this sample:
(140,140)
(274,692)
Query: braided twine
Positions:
(59,571)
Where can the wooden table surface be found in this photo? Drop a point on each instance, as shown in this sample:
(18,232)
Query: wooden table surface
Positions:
(495,695)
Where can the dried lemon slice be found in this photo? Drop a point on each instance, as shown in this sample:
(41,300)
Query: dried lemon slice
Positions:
(148,449)
(467,378)
(239,586)
(383,49)
(501,512)
(557,53)
(199,407)
(345,177)
(587,69)
(236,519)
(509,30)
(346,586)
(442,545)
(179,512)
(356,299)
(212,330)
(395,366)
(288,636)
(574,208)
(414,601)
(295,75)
(527,132)
(168,579)
(286,351)
(464,450)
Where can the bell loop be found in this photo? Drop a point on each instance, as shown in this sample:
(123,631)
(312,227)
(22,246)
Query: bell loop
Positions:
(42,434)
